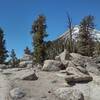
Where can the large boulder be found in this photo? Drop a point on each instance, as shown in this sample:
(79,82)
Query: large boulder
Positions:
(26,57)
(72,79)
(27,74)
(93,68)
(85,62)
(76,56)
(23,64)
(91,90)
(76,68)
(63,57)
(52,65)
(57,58)
(30,65)
(82,70)
(76,74)
(68,94)
(96,59)
(76,71)
(78,59)
(3,66)
(26,61)
(17,93)
(71,64)
(30,76)
(38,66)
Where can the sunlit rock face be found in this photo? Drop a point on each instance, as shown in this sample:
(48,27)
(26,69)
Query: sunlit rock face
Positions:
(26,60)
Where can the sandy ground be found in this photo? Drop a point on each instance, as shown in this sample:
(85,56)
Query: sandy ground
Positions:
(4,88)
(42,88)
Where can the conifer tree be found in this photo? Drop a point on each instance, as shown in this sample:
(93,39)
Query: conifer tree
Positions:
(14,61)
(39,33)
(27,50)
(85,39)
(3,51)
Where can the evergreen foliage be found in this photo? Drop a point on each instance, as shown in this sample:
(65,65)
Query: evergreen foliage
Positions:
(85,39)
(54,48)
(14,61)
(3,51)
(39,33)
(27,51)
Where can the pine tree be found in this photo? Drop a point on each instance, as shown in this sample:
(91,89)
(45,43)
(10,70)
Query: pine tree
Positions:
(85,39)
(14,61)
(39,33)
(27,51)
(3,51)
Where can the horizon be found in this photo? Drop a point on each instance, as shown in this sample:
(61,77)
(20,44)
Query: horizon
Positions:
(17,17)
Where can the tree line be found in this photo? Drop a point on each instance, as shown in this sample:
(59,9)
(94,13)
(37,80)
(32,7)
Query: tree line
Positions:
(84,44)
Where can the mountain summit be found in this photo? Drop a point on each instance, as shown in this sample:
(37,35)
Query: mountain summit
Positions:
(65,35)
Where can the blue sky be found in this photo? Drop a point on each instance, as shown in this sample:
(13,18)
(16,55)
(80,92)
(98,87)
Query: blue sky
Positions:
(17,16)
